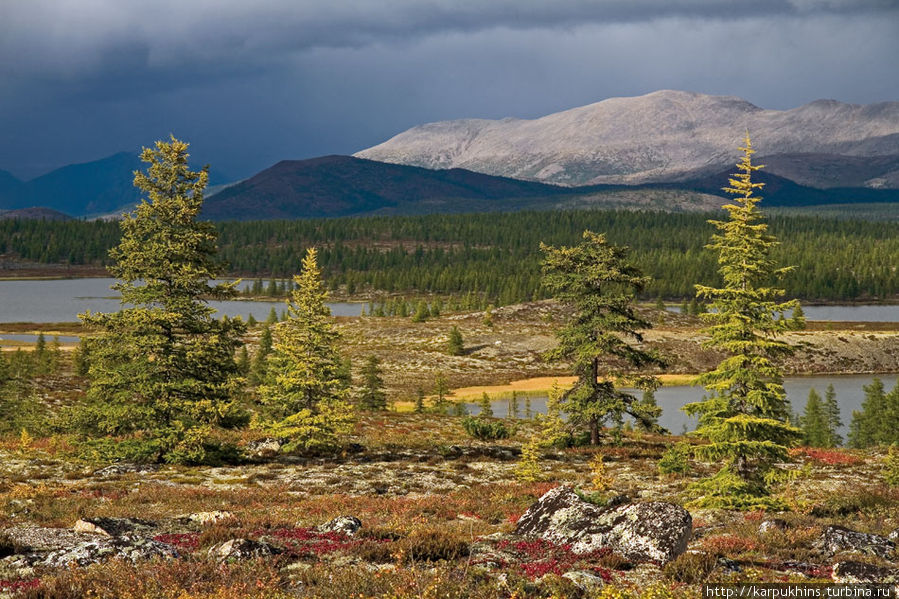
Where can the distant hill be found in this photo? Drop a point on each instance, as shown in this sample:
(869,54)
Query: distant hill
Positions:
(10,187)
(87,189)
(333,186)
(662,137)
(343,186)
(34,214)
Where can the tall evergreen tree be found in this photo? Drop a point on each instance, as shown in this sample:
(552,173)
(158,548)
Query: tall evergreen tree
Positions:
(485,407)
(832,409)
(373,396)
(455,346)
(305,389)
(878,421)
(816,431)
(163,366)
(259,365)
(745,417)
(602,337)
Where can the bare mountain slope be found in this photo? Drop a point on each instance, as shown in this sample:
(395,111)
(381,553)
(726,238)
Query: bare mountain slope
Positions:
(663,136)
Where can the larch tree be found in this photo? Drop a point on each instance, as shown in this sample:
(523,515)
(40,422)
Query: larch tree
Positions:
(162,368)
(601,339)
(745,417)
(305,390)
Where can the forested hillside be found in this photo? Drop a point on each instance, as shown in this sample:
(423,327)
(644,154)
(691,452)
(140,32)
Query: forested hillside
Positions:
(497,254)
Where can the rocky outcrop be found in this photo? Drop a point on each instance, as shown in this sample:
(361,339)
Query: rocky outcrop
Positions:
(837,539)
(241,549)
(263,448)
(114,527)
(642,532)
(347,525)
(861,573)
(205,518)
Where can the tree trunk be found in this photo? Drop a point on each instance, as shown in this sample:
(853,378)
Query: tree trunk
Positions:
(594,431)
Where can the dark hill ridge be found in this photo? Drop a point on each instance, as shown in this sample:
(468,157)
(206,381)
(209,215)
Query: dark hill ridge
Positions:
(343,186)
(333,186)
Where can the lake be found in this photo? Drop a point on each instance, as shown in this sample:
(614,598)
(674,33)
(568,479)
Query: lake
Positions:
(848,389)
(858,313)
(61,300)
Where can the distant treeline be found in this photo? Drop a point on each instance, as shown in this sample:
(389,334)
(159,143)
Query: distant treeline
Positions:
(498,256)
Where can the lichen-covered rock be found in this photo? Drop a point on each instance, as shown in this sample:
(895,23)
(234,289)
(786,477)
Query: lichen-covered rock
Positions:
(113,527)
(30,539)
(836,539)
(859,573)
(241,549)
(103,548)
(585,581)
(348,525)
(263,448)
(769,526)
(642,532)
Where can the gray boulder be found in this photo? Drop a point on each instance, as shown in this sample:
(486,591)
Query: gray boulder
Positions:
(348,525)
(126,468)
(241,549)
(643,532)
(859,573)
(836,539)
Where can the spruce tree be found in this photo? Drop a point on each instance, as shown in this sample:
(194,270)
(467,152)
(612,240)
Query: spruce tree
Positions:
(815,424)
(372,396)
(441,389)
(832,409)
(305,389)
(745,417)
(455,346)
(650,407)
(162,368)
(601,338)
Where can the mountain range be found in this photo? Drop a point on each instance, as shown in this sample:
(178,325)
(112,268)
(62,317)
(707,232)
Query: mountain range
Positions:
(666,150)
(87,189)
(665,136)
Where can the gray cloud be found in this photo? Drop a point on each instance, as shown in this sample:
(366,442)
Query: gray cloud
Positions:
(251,83)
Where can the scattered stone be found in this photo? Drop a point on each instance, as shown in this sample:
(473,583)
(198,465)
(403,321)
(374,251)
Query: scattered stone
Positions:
(113,527)
(859,573)
(769,526)
(348,525)
(835,539)
(126,468)
(263,448)
(894,536)
(241,549)
(205,518)
(102,548)
(585,581)
(641,532)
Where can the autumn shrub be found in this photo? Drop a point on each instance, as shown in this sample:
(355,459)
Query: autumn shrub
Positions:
(691,568)
(432,544)
(485,429)
(163,579)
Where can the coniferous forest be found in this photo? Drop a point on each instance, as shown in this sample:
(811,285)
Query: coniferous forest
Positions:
(497,255)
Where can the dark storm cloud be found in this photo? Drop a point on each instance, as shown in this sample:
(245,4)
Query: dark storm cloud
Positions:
(250,83)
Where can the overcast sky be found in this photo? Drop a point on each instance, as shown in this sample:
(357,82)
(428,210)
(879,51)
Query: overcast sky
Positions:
(251,83)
